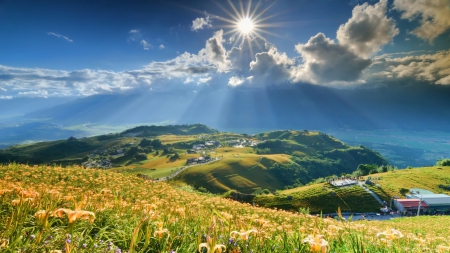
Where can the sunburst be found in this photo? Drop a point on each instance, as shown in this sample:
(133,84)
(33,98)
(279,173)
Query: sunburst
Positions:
(247,21)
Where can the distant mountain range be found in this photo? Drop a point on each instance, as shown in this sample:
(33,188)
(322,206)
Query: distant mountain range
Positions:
(300,107)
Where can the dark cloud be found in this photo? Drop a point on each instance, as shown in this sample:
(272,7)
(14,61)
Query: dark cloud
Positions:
(269,68)
(325,62)
(240,57)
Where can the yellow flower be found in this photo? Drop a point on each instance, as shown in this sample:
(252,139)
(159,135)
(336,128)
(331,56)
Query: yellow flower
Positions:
(160,230)
(4,243)
(244,234)
(316,243)
(75,215)
(390,234)
(217,247)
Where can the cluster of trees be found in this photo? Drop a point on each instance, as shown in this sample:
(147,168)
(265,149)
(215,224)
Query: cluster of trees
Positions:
(269,147)
(443,162)
(366,169)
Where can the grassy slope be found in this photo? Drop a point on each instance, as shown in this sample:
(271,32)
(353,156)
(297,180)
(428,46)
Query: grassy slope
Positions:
(64,151)
(120,202)
(320,198)
(397,183)
(239,169)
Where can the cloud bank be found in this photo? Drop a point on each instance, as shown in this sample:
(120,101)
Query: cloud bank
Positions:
(346,61)
(433,16)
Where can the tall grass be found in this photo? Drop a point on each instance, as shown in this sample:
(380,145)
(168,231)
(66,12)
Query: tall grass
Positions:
(53,209)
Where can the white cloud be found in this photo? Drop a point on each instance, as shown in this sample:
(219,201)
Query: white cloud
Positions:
(161,46)
(240,57)
(134,35)
(270,68)
(6,97)
(204,80)
(326,62)
(146,45)
(235,81)
(433,15)
(432,68)
(367,30)
(35,82)
(200,23)
(215,52)
(60,36)
(188,80)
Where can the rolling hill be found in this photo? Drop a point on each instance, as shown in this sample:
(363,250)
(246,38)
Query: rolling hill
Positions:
(325,198)
(272,160)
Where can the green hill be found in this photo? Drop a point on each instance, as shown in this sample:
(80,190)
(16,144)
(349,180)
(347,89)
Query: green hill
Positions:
(144,131)
(325,198)
(321,198)
(74,151)
(309,155)
(273,160)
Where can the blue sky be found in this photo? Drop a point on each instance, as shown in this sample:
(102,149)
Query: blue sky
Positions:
(82,48)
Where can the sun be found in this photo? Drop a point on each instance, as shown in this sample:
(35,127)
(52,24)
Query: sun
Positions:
(245,25)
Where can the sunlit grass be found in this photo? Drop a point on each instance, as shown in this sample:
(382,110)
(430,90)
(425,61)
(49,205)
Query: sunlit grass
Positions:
(53,209)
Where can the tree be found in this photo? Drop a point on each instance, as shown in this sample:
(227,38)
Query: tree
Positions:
(366,169)
(443,162)
(133,151)
(145,143)
(156,143)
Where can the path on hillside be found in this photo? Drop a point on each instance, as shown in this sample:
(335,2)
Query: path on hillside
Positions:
(184,168)
(371,193)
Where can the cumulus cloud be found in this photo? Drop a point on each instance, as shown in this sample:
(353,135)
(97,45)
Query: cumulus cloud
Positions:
(146,45)
(161,46)
(215,52)
(270,68)
(367,30)
(325,62)
(60,36)
(433,68)
(235,81)
(434,16)
(200,23)
(240,57)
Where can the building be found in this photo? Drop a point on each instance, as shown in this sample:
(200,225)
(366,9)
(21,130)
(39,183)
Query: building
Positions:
(436,202)
(410,205)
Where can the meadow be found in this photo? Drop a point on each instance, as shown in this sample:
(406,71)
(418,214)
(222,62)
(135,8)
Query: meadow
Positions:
(54,209)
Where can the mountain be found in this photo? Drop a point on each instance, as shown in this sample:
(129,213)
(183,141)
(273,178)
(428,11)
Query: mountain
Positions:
(281,159)
(300,107)
(272,160)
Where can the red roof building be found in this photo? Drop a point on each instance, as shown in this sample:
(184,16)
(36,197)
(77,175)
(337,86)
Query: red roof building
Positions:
(410,205)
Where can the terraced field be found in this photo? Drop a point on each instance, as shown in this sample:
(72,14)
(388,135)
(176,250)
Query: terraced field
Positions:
(398,183)
(237,170)
(321,198)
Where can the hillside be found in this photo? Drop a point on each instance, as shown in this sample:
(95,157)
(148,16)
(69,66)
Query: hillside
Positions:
(228,161)
(321,198)
(46,209)
(74,151)
(306,156)
(326,198)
